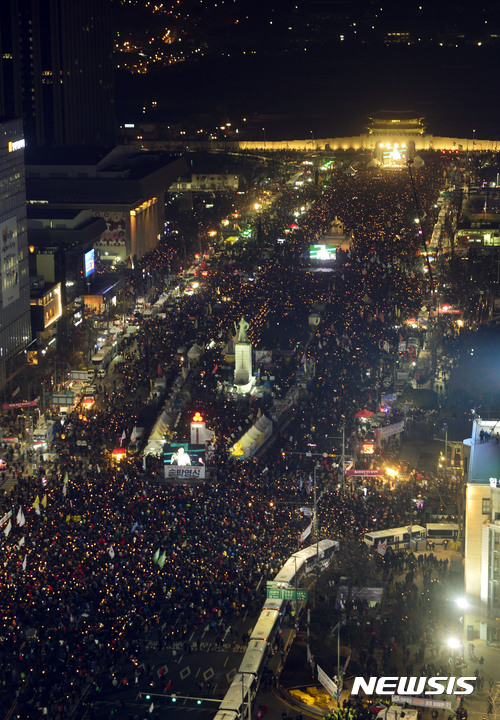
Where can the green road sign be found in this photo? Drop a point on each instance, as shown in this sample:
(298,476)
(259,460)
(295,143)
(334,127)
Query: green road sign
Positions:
(275,593)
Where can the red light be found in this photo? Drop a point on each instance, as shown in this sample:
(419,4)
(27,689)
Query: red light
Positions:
(197,417)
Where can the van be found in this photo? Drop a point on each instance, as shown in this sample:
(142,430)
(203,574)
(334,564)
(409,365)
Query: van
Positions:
(88,396)
(160,383)
(44,434)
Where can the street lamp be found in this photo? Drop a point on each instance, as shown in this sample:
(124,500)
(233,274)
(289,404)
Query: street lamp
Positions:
(339,672)
(343,456)
(315,498)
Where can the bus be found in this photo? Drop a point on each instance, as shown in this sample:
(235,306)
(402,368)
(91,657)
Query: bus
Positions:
(101,360)
(439,532)
(394,537)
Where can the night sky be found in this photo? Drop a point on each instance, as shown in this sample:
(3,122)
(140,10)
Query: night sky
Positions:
(314,65)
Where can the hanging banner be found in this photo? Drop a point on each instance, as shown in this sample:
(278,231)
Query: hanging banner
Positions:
(389,430)
(20,404)
(361,473)
(306,532)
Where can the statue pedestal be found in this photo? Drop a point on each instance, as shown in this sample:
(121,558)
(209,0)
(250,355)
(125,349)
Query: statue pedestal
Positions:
(243,378)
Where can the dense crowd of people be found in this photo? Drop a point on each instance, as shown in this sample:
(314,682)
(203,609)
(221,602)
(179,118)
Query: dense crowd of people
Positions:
(81,590)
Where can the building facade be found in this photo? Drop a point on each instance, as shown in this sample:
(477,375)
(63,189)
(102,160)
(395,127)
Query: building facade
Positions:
(15,329)
(482,531)
(124,189)
(56,71)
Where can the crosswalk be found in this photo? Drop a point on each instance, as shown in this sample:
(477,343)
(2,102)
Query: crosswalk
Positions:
(9,482)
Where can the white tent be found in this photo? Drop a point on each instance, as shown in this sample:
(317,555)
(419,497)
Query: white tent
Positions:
(195,352)
(254,437)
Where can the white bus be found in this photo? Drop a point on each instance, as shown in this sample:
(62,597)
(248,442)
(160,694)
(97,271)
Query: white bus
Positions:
(394,537)
(101,360)
(439,532)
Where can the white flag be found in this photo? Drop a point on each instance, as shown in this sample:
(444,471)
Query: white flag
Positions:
(7,529)
(21,543)
(111,552)
(25,562)
(381,548)
(20,517)
(37,509)
(65,486)
(151,708)
(310,486)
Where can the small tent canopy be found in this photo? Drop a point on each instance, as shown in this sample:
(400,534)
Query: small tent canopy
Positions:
(364,413)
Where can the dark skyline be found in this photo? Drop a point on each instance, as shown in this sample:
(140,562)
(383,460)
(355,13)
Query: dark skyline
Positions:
(289,68)
(314,65)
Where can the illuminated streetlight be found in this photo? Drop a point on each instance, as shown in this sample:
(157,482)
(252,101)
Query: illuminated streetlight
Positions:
(462,603)
(454,643)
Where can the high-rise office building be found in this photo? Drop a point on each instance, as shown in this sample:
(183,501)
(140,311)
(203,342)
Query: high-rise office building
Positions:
(56,71)
(15,324)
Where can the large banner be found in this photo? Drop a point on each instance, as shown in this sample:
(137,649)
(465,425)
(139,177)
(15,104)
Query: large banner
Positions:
(9,261)
(330,686)
(115,234)
(389,430)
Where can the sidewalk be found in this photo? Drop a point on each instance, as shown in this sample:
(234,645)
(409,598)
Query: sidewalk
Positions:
(477,703)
